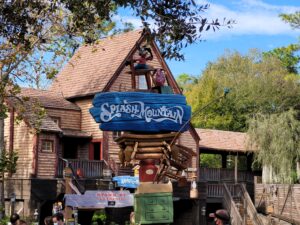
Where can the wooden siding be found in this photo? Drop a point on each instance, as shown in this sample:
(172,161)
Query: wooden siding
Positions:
(23,145)
(187,140)
(69,119)
(123,81)
(113,148)
(283,198)
(88,123)
(47,161)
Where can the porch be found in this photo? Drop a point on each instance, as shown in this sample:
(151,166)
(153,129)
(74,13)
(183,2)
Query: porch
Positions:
(225,175)
(82,168)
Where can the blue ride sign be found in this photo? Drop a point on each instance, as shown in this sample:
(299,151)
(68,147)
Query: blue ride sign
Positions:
(137,111)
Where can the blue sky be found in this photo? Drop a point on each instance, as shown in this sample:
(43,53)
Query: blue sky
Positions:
(257,26)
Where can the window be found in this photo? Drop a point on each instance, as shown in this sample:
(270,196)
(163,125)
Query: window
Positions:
(47,146)
(56,120)
(141,82)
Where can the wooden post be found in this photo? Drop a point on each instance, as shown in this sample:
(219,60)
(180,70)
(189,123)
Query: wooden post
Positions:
(235,169)
(68,190)
(249,162)
(195,211)
(224,160)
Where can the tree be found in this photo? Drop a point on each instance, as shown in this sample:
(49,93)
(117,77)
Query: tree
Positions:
(277,139)
(185,81)
(257,85)
(37,37)
(293,19)
(287,55)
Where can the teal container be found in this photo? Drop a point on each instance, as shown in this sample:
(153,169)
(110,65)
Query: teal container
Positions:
(153,208)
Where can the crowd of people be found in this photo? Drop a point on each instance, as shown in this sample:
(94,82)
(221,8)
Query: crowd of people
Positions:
(56,219)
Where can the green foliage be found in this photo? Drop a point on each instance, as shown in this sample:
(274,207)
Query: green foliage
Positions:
(293,19)
(8,162)
(4,221)
(210,161)
(277,138)
(257,85)
(185,81)
(99,215)
(287,55)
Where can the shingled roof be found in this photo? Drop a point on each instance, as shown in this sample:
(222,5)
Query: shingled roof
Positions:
(219,140)
(93,66)
(48,99)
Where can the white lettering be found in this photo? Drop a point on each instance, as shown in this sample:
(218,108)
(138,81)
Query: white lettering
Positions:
(138,109)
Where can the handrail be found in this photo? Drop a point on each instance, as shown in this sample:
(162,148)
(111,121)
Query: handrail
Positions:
(251,210)
(89,168)
(229,204)
(224,174)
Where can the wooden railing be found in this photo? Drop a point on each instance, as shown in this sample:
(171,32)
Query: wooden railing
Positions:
(217,190)
(230,205)
(84,168)
(249,207)
(221,174)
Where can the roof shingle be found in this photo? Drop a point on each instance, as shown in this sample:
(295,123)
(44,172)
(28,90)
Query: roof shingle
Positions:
(92,66)
(220,140)
(48,99)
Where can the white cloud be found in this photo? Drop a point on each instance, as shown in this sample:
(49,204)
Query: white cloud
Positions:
(253,17)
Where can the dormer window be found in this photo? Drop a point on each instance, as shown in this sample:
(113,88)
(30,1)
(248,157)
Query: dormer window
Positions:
(56,120)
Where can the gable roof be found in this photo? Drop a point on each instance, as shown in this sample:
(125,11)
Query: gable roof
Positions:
(48,99)
(219,140)
(93,66)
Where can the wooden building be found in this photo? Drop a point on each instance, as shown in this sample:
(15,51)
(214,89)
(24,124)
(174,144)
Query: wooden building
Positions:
(68,134)
(230,186)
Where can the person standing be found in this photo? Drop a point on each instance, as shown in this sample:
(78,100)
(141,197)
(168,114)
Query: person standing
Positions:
(221,217)
(58,219)
(14,218)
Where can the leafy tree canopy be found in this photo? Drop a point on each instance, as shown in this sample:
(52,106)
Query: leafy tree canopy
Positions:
(293,19)
(185,81)
(277,138)
(257,85)
(289,56)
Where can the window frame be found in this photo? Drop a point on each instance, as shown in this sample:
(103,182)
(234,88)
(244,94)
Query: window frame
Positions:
(47,141)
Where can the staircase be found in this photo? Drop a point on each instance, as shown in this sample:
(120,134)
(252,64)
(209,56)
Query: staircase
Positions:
(240,207)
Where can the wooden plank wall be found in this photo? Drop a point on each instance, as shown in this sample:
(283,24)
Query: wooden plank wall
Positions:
(47,161)
(88,123)
(123,82)
(23,145)
(69,119)
(286,203)
(187,140)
